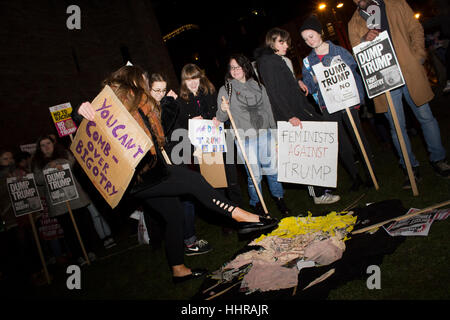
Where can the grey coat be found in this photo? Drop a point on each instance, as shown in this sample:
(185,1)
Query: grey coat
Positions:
(249,106)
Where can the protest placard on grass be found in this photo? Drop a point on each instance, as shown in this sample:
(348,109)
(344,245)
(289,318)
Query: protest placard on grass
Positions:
(379,66)
(337,85)
(60,184)
(308,155)
(24,195)
(62,119)
(110,147)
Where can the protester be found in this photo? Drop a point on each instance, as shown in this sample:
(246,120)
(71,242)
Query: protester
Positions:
(19,260)
(287,100)
(170,109)
(158,185)
(324,52)
(407,36)
(250,108)
(198,100)
(50,154)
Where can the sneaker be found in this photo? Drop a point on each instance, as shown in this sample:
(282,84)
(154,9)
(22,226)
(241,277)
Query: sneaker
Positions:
(109,243)
(281,205)
(199,247)
(327,198)
(442,168)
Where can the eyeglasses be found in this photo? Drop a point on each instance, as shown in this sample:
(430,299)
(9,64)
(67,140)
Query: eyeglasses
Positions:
(159,91)
(235,68)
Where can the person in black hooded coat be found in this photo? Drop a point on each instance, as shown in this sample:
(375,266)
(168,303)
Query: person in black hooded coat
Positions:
(288,101)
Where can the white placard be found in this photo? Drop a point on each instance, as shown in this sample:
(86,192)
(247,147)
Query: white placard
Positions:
(337,85)
(308,155)
(206,136)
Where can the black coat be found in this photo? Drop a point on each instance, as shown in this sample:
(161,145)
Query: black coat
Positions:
(201,105)
(284,93)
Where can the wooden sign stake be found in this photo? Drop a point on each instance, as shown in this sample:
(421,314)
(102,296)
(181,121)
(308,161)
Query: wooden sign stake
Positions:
(363,150)
(402,145)
(38,244)
(78,233)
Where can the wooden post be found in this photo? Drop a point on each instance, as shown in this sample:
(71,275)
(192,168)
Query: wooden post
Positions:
(363,150)
(402,145)
(78,233)
(406,216)
(246,161)
(38,244)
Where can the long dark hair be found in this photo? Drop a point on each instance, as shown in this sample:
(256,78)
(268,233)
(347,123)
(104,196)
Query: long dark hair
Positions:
(245,64)
(39,160)
(129,83)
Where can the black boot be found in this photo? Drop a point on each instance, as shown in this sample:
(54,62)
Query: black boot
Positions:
(357,183)
(258,209)
(281,205)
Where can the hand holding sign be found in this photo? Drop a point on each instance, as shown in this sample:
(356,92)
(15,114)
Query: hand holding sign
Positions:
(371,35)
(87,111)
(225,105)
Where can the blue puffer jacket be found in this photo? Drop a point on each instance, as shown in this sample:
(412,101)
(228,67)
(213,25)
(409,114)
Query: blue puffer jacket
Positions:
(334,50)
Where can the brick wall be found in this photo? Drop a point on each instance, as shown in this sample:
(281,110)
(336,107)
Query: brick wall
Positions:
(42,63)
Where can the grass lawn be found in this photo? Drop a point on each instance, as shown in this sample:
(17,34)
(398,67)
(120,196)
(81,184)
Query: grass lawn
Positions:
(418,269)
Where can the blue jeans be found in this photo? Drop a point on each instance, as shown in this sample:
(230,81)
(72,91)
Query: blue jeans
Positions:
(261,154)
(428,123)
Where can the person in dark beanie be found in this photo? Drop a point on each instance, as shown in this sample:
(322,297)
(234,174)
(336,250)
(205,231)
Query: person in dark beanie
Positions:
(325,52)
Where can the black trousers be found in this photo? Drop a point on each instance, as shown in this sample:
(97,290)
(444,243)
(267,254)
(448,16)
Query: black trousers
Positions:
(163,198)
(85,227)
(345,131)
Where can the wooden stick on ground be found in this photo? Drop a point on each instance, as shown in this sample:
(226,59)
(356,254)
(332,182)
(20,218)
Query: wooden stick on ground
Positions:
(223,291)
(354,202)
(363,150)
(38,244)
(406,216)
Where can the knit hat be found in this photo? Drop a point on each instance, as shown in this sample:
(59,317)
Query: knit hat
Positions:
(312,23)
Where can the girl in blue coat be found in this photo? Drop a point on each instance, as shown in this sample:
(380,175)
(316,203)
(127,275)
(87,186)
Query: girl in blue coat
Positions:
(324,52)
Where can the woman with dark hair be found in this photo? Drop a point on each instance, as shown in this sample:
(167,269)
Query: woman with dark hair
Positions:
(287,100)
(250,108)
(159,186)
(50,154)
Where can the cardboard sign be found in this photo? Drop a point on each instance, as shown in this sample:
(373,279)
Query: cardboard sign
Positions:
(309,155)
(62,119)
(337,85)
(206,136)
(60,184)
(212,169)
(378,65)
(24,195)
(110,147)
